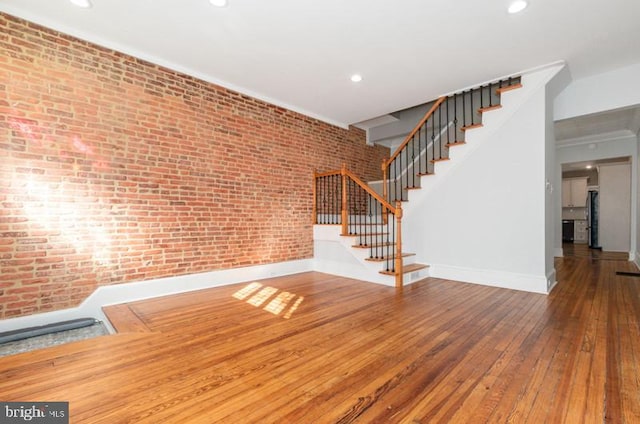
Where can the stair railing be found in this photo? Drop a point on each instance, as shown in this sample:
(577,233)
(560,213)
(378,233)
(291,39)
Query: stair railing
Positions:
(340,197)
(442,127)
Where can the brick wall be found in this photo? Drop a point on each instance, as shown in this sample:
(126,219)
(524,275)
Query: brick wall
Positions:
(115,170)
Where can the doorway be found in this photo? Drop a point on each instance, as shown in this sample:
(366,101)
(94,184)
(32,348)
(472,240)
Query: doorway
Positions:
(596,203)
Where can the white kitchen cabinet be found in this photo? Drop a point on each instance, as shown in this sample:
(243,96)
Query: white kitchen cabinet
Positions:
(574,192)
(580,231)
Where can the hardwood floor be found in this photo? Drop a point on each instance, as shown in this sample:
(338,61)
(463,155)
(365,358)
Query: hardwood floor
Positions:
(581,250)
(314,348)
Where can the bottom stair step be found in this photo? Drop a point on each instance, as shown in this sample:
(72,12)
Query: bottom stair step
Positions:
(406,269)
(404,255)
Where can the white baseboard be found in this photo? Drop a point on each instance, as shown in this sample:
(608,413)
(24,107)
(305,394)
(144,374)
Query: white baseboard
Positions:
(551,280)
(130,292)
(558,252)
(506,280)
(636,260)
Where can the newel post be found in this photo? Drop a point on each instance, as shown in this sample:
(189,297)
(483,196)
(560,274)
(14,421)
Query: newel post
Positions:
(384,180)
(385,212)
(399,270)
(344,199)
(314,211)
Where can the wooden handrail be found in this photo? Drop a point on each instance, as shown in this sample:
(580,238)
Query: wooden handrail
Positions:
(415,130)
(354,177)
(386,209)
(369,190)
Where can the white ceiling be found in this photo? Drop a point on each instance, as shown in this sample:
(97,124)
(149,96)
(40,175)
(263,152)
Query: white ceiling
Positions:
(582,166)
(301,53)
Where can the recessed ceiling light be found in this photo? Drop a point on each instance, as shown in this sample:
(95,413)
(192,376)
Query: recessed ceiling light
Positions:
(517,6)
(218,3)
(356,77)
(85,4)
(589,166)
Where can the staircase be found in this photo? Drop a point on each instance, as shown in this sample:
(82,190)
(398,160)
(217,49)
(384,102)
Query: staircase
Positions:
(367,218)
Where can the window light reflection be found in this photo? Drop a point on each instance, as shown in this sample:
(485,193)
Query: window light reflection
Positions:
(262,296)
(258,295)
(294,307)
(279,303)
(247,291)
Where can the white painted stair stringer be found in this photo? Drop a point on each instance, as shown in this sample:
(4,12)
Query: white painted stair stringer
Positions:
(518,271)
(475,138)
(335,254)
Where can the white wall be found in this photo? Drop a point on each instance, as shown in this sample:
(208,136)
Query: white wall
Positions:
(598,93)
(637,205)
(589,151)
(486,222)
(615,207)
(553,193)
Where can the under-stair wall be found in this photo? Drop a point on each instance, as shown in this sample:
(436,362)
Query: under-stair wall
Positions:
(481,217)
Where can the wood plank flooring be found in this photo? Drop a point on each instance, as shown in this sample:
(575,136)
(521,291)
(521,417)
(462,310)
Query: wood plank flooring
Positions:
(315,348)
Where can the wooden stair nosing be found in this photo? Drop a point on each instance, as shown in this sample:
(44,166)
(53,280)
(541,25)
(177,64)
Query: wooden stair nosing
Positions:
(470,127)
(455,143)
(489,108)
(372,246)
(406,269)
(363,235)
(508,88)
(404,255)
(439,160)
(370,224)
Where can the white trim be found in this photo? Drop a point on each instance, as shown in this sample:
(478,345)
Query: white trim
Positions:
(502,279)
(636,260)
(558,252)
(130,292)
(552,282)
(137,54)
(595,139)
(521,73)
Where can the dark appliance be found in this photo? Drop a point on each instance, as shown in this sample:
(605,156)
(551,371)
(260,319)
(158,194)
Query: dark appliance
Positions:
(567,230)
(592,219)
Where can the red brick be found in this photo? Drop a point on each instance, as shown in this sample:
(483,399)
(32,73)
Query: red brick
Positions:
(161,174)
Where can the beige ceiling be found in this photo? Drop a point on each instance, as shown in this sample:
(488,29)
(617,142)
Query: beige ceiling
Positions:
(301,53)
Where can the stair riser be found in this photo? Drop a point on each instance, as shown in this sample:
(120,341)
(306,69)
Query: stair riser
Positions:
(407,260)
(373,239)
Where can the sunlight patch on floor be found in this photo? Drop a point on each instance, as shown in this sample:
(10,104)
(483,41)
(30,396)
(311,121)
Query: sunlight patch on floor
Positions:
(258,295)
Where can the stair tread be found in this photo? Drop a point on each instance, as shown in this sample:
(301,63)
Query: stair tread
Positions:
(367,246)
(363,234)
(406,269)
(455,143)
(438,160)
(489,108)
(470,127)
(404,255)
(508,88)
